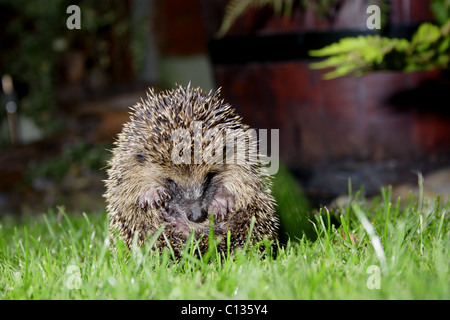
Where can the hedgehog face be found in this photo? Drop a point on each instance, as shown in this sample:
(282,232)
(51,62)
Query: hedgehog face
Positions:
(190,200)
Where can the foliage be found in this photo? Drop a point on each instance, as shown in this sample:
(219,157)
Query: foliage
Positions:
(36,35)
(441,10)
(31,60)
(428,49)
(58,256)
(236,8)
(79,155)
(293,206)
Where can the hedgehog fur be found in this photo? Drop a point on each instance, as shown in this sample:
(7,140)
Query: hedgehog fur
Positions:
(146,189)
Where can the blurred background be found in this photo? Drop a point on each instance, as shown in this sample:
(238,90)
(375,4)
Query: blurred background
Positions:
(66,93)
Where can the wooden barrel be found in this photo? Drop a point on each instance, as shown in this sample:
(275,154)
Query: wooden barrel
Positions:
(364,128)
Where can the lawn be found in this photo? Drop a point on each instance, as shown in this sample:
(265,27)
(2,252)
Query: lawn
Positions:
(378,250)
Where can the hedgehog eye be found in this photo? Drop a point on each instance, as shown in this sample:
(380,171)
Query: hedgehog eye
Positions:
(169,181)
(141,158)
(171,185)
(209,178)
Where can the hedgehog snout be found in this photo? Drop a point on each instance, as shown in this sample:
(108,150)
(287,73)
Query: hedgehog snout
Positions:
(195,213)
(190,209)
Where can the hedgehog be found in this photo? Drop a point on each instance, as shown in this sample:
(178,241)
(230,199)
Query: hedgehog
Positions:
(175,168)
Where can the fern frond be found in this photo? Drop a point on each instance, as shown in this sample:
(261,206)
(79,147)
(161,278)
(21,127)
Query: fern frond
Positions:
(235,8)
(428,49)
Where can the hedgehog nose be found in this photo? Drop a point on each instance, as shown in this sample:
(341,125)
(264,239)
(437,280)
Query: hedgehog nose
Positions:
(195,213)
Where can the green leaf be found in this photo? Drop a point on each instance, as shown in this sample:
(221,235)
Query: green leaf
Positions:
(355,56)
(426,34)
(444,45)
(330,62)
(344,45)
(441,10)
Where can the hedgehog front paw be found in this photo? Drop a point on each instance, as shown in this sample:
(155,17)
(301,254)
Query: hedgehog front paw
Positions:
(154,198)
(221,204)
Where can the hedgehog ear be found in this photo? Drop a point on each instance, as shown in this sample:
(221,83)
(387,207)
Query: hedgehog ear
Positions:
(209,176)
(140,157)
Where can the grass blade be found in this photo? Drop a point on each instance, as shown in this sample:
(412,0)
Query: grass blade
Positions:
(250,231)
(375,240)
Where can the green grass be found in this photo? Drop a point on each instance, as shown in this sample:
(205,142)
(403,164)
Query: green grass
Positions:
(58,256)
